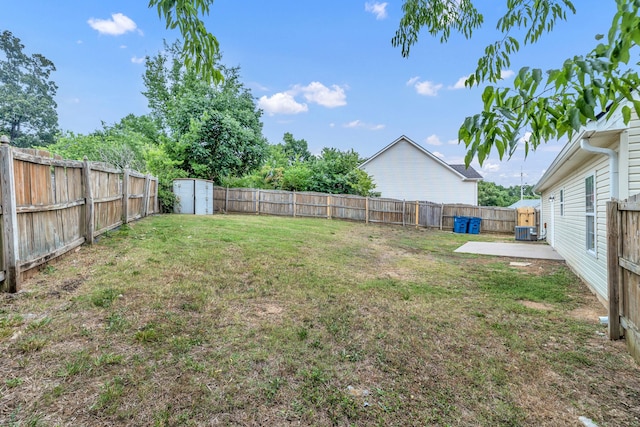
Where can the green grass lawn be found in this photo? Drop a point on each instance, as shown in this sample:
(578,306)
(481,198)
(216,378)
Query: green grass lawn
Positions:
(247,320)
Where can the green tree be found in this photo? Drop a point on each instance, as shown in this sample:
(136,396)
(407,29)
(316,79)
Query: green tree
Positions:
(336,172)
(27,108)
(546,104)
(122,145)
(296,150)
(215,129)
(200,48)
(492,194)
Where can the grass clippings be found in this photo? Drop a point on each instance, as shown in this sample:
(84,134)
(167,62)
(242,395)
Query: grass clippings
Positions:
(246,320)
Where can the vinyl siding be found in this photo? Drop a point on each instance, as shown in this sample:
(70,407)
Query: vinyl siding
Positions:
(570,229)
(633,135)
(404,172)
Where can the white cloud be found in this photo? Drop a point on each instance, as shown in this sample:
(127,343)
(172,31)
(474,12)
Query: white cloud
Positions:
(505,74)
(123,46)
(460,83)
(318,93)
(433,140)
(453,142)
(281,103)
(137,60)
(425,88)
(362,125)
(378,9)
(79,42)
(491,167)
(438,155)
(314,92)
(116,26)
(412,81)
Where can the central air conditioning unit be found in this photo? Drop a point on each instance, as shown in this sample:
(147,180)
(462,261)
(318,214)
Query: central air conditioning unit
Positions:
(526,233)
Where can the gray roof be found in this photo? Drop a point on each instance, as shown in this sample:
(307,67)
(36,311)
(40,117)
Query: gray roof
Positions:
(469,172)
(526,203)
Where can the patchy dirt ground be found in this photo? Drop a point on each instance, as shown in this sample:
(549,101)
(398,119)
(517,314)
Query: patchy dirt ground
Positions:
(278,322)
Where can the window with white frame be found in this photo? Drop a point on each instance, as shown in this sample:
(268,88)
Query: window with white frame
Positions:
(590,212)
(562,202)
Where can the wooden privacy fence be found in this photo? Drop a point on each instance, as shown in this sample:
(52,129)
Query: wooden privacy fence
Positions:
(357,208)
(50,206)
(623,267)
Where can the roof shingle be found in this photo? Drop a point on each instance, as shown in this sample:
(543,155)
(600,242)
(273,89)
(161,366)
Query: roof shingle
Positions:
(469,172)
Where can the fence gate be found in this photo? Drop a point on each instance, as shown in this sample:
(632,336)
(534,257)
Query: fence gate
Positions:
(623,253)
(195,196)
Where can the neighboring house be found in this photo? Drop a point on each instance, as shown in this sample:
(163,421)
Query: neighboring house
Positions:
(404,170)
(526,203)
(601,162)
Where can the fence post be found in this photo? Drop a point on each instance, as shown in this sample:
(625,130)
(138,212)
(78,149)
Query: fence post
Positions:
(403,212)
(258,203)
(613,268)
(328,206)
(145,200)
(417,214)
(10,238)
(157,203)
(125,196)
(366,211)
(226,199)
(441,214)
(294,204)
(88,204)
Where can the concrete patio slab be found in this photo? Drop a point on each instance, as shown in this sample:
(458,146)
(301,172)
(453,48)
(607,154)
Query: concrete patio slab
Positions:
(513,250)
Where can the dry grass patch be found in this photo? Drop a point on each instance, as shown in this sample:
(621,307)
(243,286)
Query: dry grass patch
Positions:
(244,320)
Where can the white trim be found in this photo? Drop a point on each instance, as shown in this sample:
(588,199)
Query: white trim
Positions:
(591,251)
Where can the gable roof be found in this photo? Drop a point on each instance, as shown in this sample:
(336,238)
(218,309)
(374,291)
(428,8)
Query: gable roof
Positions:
(467,174)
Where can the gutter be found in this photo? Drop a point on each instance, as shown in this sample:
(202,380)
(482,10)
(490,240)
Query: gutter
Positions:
(613,164)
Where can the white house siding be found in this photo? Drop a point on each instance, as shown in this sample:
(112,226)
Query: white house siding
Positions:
(406,173)
(569,237)
(633,141)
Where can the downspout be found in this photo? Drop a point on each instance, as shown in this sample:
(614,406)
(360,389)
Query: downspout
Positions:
(613,164)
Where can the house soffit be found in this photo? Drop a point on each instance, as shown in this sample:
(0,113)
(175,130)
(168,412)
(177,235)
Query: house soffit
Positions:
(602,133)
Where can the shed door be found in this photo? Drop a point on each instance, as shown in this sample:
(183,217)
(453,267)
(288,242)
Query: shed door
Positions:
(203,197)
(185,192)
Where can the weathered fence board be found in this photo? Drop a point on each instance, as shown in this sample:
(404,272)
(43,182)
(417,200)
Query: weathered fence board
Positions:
(623,268)
(50,206)
(357,208)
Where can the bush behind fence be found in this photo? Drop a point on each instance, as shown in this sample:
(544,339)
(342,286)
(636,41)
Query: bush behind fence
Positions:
(358,208)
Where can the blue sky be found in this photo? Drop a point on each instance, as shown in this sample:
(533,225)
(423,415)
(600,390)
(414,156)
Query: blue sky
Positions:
(324,71)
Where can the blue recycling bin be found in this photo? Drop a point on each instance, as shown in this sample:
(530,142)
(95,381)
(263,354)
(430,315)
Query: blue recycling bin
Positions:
(474,225)
(460,224)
